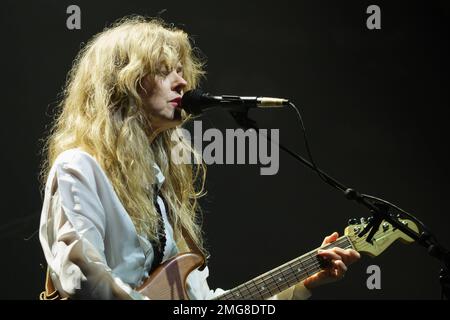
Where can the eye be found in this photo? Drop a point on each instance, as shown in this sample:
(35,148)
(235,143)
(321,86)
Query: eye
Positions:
(164,71)
(179,70)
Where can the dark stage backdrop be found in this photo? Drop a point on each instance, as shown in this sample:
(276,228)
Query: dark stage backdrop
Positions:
(374,103)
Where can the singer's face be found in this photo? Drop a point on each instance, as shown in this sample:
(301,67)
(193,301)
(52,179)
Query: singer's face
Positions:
(161,97)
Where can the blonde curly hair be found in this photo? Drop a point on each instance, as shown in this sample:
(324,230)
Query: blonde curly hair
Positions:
(102,113)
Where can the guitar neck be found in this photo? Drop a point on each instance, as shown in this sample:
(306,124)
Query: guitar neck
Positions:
(284,276)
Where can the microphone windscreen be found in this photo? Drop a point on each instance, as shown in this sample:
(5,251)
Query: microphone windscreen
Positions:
(195,101)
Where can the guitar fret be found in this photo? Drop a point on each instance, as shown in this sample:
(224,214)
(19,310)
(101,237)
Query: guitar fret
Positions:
(266,287)
(283,282)
(274,281)
(293,276)
(289,272)
(241,294)
(256,293)
(253,292)
(244,291)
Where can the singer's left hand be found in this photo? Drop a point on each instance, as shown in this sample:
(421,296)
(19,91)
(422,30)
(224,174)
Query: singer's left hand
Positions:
(337,259)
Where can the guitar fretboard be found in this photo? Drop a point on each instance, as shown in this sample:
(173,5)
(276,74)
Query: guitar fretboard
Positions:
(282,277)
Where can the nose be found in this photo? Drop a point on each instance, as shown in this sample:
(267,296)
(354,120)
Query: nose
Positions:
(179,83)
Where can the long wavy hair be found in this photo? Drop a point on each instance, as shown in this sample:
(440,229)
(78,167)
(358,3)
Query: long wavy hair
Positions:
(102,113)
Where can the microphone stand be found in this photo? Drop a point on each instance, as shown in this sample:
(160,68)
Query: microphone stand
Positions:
(378,209)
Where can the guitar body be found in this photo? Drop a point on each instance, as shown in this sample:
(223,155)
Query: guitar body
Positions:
(168,281)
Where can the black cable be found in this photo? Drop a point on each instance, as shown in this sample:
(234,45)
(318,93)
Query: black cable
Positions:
(308,150)
(335,185)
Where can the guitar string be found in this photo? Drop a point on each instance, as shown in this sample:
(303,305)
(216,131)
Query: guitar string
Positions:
(306,269)
(255,291)
(263,288)
(252,288)
(315,265)
(305,264)
(270,287)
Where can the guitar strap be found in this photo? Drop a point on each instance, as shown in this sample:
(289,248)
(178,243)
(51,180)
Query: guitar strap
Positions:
(158,248)
(50,293)
(191,244)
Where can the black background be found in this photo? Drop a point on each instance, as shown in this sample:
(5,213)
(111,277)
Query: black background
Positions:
(374,103)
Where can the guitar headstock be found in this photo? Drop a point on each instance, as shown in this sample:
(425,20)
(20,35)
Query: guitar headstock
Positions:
(382,239)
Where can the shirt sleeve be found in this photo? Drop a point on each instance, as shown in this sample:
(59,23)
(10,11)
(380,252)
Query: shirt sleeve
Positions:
(198,288)
(72,232)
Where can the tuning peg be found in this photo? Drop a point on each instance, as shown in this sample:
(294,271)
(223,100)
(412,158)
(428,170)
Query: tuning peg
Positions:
(363,220)
(352,221)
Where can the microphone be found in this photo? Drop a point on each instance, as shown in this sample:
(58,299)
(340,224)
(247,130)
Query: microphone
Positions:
(196,101)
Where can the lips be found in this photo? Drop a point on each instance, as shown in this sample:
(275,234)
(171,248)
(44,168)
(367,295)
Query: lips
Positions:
(176,102)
